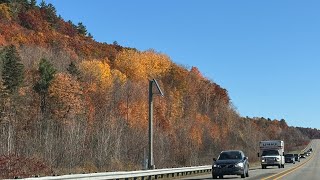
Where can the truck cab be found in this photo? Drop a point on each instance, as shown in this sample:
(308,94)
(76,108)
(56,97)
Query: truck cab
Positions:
(272,153)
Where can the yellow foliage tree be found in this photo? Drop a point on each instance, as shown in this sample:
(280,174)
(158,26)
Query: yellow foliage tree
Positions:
(96,72)
(142,65)
(118,76)
(156,64)
(129,62)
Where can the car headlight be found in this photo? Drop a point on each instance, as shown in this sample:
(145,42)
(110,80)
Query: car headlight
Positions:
(277,159)
(240,164)
(216,166)
(262,160)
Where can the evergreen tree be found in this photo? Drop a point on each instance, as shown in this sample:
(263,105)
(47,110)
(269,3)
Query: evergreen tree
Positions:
(43,4)
(73,70)
(82,29)
(4,1)
(51,13)
(47,72)
(12,73)
(115,43)
(4,97)
(33,3)
(90,35)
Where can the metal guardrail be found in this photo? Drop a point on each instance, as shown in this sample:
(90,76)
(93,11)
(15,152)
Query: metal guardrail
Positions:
(145,174)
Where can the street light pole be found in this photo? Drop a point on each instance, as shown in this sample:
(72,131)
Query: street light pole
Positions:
(151,84)
(150,160)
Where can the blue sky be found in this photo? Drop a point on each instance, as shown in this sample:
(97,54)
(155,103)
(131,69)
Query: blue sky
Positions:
(265,53)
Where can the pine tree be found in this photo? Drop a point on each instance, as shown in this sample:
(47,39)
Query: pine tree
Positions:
(4,98)
(47,72)
(4,1)
(82,29)
(51,13)
(43,4)
(33,3)
(73,70)
(90,35)
(12,73)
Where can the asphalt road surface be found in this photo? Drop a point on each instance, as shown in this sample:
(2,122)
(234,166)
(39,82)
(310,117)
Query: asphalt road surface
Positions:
(306,169)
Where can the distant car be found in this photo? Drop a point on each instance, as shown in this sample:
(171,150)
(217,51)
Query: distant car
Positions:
(306,154)
(310,149)
(297,157)
(230,163)
(289,158)
(302,156)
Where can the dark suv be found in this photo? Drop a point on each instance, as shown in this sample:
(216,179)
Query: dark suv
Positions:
(289,158)
(230,163)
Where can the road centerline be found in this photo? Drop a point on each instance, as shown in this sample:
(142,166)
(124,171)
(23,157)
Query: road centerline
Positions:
(288,171)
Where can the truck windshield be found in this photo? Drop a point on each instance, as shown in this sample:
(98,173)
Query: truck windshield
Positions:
(230,155)
(270,153)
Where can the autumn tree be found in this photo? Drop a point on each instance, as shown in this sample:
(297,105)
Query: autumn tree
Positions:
(47,72)
(142,65)
(156,64)
(97,73)
(5,12)
(65,93)
(18,6)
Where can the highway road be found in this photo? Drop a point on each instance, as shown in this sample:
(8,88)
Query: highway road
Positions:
(307,169)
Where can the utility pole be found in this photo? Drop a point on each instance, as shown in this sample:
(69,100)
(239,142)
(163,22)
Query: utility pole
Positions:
(151,85)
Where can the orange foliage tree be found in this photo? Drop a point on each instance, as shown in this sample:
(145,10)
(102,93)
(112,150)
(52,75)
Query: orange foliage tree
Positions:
(66,95)
(5,13)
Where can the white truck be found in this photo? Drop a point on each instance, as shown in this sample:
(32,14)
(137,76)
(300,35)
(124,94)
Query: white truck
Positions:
(272,153)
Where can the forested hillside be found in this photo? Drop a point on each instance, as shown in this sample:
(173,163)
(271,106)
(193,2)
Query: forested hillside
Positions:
(70,104)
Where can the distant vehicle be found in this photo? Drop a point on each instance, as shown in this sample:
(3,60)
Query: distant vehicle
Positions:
(230,163)
(306,154)
(289,158)
(297,157)
(310,149)
(271,153)
(302,156)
